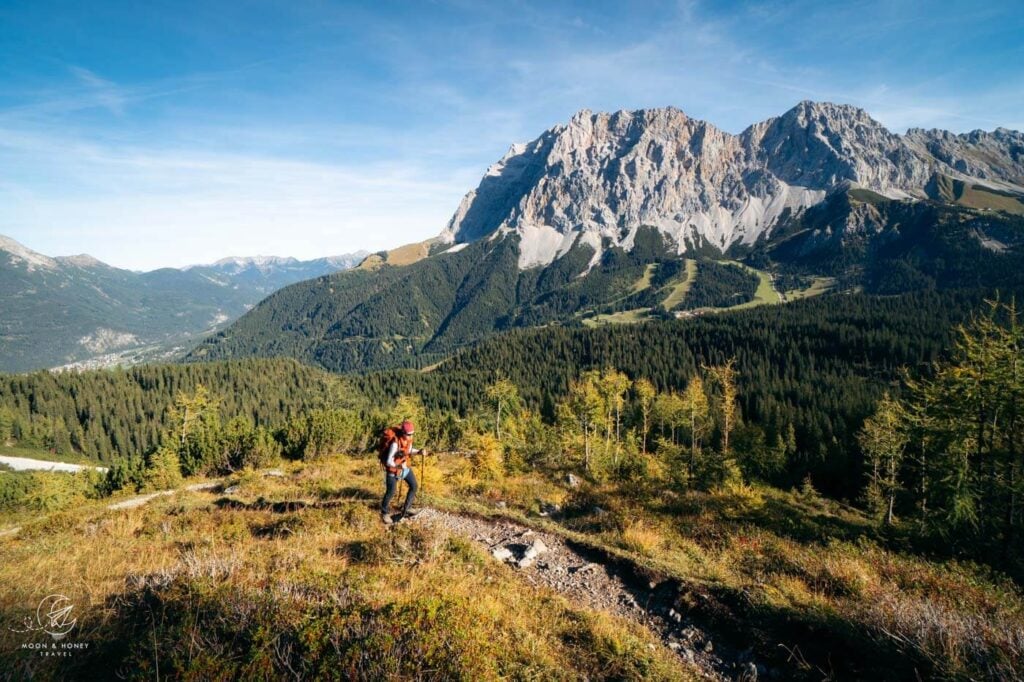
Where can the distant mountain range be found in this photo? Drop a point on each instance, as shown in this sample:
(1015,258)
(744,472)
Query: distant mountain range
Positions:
(621,217)
(76,309)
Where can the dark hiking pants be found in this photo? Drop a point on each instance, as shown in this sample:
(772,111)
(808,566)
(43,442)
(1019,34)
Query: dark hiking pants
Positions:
(391,481)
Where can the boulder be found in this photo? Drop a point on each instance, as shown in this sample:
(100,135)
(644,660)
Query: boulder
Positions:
(502,553)
(531,553)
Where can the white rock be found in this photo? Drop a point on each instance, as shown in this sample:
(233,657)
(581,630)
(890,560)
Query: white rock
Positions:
(603,175)
(535,549)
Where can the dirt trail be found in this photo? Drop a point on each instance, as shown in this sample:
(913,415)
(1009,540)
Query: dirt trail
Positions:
(584,577)
(133,502)
(139,500)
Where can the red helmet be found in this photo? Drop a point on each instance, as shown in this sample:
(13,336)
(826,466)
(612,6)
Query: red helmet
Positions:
(407,428)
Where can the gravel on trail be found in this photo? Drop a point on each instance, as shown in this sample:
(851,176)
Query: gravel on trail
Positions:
(550,561)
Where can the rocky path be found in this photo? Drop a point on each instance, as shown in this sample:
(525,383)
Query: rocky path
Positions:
(548,560)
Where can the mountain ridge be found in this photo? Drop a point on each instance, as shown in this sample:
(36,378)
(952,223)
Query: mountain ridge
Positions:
(71,310)
(618,217)
(602,175)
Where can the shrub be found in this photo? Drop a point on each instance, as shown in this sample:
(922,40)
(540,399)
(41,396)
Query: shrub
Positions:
(125,473)
(244,445)
(163,471)
(486,458)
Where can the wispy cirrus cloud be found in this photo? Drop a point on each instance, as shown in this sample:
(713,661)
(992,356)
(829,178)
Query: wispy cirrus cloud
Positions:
(308,128)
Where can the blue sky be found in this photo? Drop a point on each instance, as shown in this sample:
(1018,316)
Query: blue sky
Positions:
(166,133)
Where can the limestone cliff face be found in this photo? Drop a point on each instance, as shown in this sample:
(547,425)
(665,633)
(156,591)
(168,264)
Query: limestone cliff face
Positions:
(602,176)
(997,157)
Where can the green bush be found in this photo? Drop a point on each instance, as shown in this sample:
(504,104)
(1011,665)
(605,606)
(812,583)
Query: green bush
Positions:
(163,471)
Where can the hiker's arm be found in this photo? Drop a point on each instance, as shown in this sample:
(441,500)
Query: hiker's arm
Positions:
(392,451)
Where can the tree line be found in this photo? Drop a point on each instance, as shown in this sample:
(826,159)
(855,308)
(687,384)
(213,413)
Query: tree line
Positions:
(947,452)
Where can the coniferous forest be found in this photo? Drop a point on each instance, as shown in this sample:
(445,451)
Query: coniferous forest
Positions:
(810,372)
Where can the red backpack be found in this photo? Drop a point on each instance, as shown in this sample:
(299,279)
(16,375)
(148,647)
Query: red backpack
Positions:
(387,437)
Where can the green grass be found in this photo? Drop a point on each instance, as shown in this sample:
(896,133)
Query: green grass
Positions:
(765,294)
(819,286)
(679,289)
(866,196)
(622,317)
(644,282)
(978,196)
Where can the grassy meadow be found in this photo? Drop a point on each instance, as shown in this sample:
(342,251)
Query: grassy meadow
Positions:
(294,576)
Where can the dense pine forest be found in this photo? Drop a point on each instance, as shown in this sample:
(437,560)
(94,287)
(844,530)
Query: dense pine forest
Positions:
(111,414)
(816,366)
(809,372)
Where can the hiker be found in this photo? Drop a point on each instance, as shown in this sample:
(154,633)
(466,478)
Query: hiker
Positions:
(396,452)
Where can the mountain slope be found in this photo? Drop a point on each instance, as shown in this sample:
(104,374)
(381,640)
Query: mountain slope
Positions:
(597,218)
(55,311)
(602,176)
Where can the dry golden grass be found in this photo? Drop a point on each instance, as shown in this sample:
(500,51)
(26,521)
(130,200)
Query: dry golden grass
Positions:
(809,572)
(406,254)
(303,556)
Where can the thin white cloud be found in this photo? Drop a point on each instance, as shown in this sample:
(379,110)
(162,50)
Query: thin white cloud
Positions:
(373,164)
(143,208)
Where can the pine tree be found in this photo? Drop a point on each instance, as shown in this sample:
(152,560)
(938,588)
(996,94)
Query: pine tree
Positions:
(884,439)
(581,412)
(504,396)
(163,470)
(725,377)
(696,411)
(645,394)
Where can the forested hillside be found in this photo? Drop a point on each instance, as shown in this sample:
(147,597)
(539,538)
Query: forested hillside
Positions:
(888,246)
(817,365)
(123,413)
(417,314)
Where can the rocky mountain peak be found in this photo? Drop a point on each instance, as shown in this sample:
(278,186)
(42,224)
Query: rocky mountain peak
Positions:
(601,176)
(996,157)
(20,254)
(82,260)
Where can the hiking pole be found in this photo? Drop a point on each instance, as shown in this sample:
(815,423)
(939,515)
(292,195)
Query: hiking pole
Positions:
(423,471)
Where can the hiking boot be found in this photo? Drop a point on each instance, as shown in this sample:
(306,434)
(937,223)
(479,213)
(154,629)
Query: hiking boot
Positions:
(410,514)
(386,519)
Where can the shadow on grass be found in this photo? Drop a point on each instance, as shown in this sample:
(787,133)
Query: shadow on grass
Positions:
(281,507)
(792,645)
(348,494)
